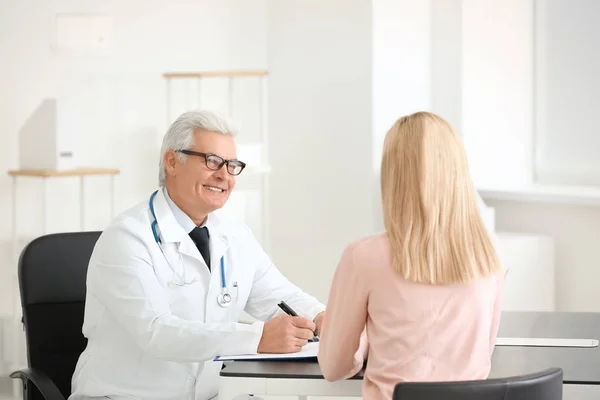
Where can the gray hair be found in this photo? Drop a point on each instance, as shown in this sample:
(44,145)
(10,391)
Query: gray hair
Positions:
(180,135)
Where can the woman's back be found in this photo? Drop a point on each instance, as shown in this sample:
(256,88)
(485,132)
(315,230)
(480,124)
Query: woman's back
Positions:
(420,332)
(427,292)
(416,332)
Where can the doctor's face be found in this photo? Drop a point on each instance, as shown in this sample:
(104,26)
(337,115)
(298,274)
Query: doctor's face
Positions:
(199,183)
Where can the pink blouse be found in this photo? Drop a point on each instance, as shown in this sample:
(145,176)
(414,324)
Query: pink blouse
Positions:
(416,332)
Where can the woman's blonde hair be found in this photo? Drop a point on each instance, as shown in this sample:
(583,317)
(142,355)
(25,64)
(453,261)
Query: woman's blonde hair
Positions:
(430,208)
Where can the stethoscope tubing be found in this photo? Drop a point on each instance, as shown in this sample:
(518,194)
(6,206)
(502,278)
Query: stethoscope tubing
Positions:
(224,298)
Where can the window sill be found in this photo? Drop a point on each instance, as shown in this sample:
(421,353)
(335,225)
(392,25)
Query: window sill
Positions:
(554,194)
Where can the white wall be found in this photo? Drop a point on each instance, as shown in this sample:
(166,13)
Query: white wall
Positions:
(567,91)
(497,90)
(319,53)
(446,60)
(401,37)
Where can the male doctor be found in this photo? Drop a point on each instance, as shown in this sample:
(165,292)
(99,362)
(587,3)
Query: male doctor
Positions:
(169,278)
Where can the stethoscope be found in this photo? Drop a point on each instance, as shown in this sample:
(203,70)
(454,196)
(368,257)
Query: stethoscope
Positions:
(224,298)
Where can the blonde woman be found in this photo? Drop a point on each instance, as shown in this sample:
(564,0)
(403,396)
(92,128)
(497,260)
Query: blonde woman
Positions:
(423,298)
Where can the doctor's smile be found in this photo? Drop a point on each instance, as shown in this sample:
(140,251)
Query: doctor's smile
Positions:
(214,189)
(169,279)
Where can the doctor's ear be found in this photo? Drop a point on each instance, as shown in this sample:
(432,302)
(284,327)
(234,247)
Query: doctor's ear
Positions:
(170,161)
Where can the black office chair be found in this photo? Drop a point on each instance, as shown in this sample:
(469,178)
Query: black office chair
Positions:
(544,385)
(52,281)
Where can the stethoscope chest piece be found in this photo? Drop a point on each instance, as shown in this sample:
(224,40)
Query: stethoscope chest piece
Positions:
(224,299)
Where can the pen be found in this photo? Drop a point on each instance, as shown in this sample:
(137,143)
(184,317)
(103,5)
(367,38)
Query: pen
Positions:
(288,310)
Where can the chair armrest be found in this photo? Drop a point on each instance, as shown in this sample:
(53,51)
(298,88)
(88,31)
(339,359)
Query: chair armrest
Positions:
(41,381)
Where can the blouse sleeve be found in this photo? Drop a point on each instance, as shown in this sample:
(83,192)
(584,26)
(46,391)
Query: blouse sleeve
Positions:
(497,312)
(343,343)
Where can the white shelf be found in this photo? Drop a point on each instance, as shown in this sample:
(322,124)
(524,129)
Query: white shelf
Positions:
(555,194)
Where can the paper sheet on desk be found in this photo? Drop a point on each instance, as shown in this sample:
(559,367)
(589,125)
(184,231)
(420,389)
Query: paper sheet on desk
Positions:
(546,342)
(308,351)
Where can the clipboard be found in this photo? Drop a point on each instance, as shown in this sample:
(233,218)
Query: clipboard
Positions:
(308,352)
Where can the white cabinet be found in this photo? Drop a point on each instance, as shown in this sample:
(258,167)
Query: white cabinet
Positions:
(529,259)
(530,280)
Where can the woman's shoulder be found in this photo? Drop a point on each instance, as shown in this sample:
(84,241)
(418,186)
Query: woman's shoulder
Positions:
(492,282)
(368,249)
(367,242)
(361,257)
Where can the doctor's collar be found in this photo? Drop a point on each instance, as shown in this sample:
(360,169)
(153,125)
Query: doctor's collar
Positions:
(182,218)
(211,221)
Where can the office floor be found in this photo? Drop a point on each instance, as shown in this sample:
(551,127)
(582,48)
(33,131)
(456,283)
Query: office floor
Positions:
(570,393)
(6,389)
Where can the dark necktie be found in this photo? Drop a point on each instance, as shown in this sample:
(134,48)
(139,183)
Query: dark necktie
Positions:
(200,237)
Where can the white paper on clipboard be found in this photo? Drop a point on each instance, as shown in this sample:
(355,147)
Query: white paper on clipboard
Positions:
(546,342)
(310,350)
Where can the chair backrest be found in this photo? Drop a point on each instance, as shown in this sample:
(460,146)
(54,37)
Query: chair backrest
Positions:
(544,385)
(52,281)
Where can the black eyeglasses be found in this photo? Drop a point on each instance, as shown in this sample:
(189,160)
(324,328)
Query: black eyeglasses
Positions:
(215,162)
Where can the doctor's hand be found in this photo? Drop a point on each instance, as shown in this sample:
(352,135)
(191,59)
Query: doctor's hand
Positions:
(319,322)
(285,334)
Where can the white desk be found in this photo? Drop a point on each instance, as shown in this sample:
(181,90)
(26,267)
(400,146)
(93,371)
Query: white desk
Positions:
(581,366)
(273,383)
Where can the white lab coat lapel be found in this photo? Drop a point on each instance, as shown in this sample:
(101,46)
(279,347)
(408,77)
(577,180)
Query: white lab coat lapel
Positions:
(169,228)
(188,247)
(218,246)
(175,237)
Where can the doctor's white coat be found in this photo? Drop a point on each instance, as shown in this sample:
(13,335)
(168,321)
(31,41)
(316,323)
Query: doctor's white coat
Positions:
(149,336)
